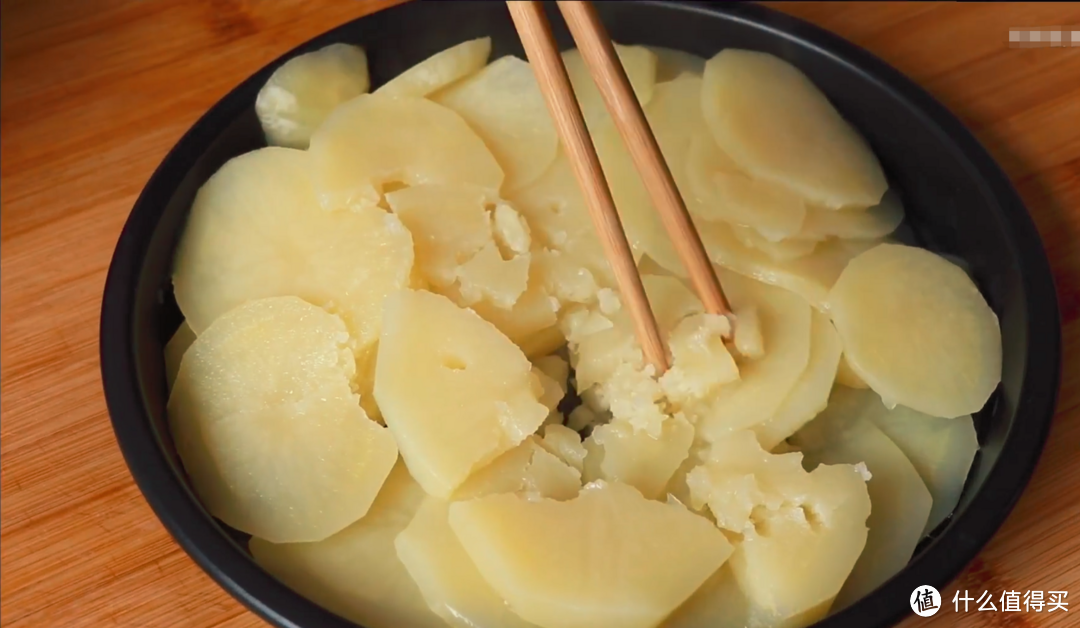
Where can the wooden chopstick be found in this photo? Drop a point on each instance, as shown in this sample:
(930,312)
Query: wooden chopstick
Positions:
(543,53)
(607,72)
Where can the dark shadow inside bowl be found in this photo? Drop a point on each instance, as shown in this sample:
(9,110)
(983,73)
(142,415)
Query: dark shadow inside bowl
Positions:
(957,201)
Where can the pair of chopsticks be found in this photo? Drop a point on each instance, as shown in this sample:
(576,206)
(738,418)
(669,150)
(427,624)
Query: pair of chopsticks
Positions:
(603,62)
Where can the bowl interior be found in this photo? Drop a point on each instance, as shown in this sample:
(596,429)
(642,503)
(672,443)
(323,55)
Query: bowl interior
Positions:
(958,203)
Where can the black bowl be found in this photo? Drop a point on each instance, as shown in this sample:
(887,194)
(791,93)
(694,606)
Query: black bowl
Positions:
(959,203)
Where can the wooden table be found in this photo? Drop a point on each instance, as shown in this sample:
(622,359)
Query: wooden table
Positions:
(95,92)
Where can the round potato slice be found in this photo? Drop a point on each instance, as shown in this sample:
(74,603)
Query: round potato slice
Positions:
(875,222)
(268,427)
(810,276)
(303,92)
(721,191)
(374,140)
(504,105)
(439,70)
(255,230)
(778,127)
(917,330)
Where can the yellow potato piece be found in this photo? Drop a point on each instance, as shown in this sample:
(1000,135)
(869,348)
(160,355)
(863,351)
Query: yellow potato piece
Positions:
(429,549)
(917,330)
(528,323)
(875,222)
(672,63)
(720,603)
(256,231)
(566,444)
(174,351)
(810,276)
(811,393)
(504,105)
(700,361)
(551,391)
(267,425)
(453,390)
(941,450)
(529,469)
(605,572)
(439,70)
(779,128)
(640,65)
(489,277)
(560,221)
(845,434)
(374,140)
(725,193)
(449,225)
(619,453)
(356,573)
(747,340)
(801,532)
(763,383)
(301,93)
(450,583)
(782,250)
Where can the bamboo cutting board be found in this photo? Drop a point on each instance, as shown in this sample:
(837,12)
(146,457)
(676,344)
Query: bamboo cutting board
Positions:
(95,92)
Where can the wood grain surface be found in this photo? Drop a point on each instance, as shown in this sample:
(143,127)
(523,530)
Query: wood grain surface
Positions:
(95,92)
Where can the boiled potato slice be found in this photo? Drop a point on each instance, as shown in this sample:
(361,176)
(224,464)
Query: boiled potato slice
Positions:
(504,105)
(763,383)
(720,603)
(747,340)
(783,250)
(640,65)
(560,221)
(671,64)
(725,193)
(528,469)
(255,230)
(453,390)
(779,128)
(268,427)
(528,323)
(489,277)
(917,330)
(602,574)
(430,550)
(450,583)
(845,434)
(174,351)
(356,573)
(449,225)
(301,93)
(374,140)
(566,444)
(700,361)
(875,222)
(439,70)
(810,276)
(811,393)
(551,390)
(619,453)
(941,450)
(801,532)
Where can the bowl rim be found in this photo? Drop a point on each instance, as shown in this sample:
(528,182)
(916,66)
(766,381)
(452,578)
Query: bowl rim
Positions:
(234,570)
